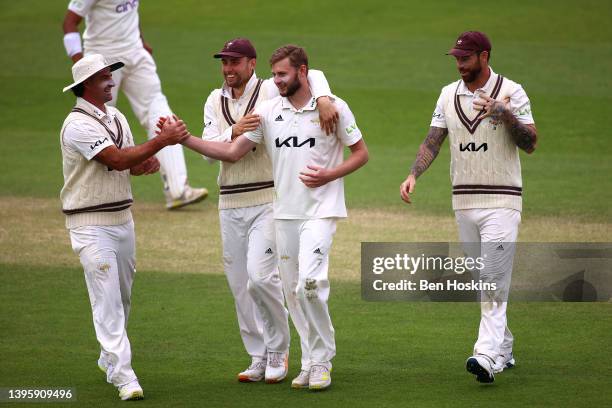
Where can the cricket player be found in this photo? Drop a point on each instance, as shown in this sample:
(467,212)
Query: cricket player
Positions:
(308,167)
(245,208)
(487,118)
(112,29)
(98,157)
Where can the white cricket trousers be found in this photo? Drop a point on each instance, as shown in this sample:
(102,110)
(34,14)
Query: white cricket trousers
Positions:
(139,82)
(108,256)
(492,227)
(251,268)
(303,247)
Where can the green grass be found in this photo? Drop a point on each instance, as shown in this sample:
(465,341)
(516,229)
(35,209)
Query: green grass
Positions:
(187,350)
(387,60)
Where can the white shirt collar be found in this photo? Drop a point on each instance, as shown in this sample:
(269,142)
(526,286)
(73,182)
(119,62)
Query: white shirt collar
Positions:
(227,91)
(310,106)
(91,108)
(487,88)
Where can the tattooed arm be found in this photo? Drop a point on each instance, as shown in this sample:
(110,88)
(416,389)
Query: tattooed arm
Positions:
(525,136)
(428,151)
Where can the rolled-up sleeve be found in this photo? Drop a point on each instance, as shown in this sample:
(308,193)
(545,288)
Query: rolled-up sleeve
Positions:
(521,106)
(347,132)
(438,119)
(81,7)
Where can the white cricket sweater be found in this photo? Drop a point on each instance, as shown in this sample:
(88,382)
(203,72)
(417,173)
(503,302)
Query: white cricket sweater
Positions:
(485,169)
(247,182)
(92,193)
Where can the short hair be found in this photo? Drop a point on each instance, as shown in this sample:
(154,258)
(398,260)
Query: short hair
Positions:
(297,55)
(488,54)
(78,90)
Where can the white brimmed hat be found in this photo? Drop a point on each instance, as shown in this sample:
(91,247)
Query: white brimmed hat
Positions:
(88,66)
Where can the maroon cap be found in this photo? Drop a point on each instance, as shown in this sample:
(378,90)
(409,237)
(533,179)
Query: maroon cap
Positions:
(469,43)
(238,47)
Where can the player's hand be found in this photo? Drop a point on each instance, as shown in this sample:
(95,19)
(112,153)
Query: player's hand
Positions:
(328,115)
(247,123)
(407,187)
(492,107)
(317,177)
(172,130)
(160,124)
(149,166)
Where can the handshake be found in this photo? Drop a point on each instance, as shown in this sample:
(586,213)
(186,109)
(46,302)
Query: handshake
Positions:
(171,130)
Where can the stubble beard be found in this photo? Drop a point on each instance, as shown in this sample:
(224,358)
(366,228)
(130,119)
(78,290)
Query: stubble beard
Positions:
(473,74)
(293,87)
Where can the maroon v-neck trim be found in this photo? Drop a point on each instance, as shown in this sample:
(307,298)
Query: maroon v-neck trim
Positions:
(471,125)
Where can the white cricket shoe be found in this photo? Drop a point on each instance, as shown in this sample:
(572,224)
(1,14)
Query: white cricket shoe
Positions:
(320,377)
(277,367)
(190,196)
(255,372)
(302,380)
(131,391)
(502,362)
(482,367)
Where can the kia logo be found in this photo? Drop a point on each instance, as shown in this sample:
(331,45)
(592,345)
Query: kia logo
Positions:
(293,142)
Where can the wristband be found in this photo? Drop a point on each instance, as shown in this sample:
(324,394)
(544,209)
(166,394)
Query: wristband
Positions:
(72,43)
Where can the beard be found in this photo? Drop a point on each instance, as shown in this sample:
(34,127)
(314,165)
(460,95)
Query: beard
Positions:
(292,87)
(236,82)
(471,75)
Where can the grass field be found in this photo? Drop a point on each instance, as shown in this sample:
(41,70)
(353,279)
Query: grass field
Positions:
(187,349)
(387,61)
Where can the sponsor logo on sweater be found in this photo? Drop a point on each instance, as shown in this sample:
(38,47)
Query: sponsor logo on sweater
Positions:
(127,6)
(471,147)
(98,143)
